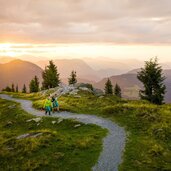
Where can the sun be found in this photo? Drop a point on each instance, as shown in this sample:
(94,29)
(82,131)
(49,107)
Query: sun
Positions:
(5,45)
(7,50)
(11,53)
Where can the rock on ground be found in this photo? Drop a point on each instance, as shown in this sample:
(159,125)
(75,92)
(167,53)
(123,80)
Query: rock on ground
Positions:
(32,135)
(63,89)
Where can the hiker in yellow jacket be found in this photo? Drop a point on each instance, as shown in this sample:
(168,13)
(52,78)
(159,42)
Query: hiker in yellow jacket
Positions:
(48,106)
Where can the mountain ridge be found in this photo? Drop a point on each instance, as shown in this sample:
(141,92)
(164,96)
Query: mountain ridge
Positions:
(65,66)
(130,85)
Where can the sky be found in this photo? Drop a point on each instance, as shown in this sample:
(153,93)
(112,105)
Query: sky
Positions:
(86,28)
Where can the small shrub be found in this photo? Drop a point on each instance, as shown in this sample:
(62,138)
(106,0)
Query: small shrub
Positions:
(87,85)
(38,104)
(84,143)
(161,131)
(156,150)
(148,114)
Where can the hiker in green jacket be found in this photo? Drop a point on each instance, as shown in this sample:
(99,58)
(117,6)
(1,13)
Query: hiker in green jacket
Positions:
(48,106)
(55,104)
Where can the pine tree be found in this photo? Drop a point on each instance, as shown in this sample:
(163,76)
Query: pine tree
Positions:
(117,91)
(16,89)
(73,78)
(12,88)
(153,80)
(50,76)
(7,88)
(108,87)
(24,90)
(34,85)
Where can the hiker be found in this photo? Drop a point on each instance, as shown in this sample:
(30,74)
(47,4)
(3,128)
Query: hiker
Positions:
(55,103)
(48,105)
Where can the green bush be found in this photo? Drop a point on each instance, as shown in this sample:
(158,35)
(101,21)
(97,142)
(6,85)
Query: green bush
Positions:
(38,104)
(161,131)
(87,85)
(156,150)
(148,114)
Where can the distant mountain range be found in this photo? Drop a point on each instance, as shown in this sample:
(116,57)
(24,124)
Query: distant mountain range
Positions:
(107,67)
(93,69)
(65,66)
(21,72)
(130,85)
(128,82)
(6,59)
(29,58)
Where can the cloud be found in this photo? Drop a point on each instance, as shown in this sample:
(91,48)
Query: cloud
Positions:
(68,21)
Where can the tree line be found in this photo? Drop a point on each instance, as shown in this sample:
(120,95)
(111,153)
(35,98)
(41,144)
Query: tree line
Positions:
(151,76)
(51,79)
(15,89)
(110,91)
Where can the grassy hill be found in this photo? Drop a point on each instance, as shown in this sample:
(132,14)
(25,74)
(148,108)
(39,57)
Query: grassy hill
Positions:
(148,126)
(59,146)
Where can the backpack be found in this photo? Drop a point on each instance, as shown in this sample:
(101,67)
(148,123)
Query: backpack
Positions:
(53,99)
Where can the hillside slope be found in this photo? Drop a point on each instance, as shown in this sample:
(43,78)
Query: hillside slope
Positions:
(65,66)
(26,141)
(130,85)
(18,72)
(6,59)
(149,127)
(128,82)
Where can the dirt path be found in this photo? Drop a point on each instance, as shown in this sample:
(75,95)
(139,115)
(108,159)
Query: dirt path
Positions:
(113,143)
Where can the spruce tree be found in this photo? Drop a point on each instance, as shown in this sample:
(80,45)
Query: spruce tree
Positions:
(108,87)
(34,85)
(24,90)
(16,88)
(50,76)
(12,88)
(117,91)
(7,88)
(73,78)
(153,80)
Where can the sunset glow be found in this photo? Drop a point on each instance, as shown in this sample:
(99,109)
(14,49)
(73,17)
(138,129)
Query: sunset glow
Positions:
(53,51)
(76,29)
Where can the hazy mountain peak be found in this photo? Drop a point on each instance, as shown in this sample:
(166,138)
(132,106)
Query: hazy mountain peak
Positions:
(18,72)
(6,59)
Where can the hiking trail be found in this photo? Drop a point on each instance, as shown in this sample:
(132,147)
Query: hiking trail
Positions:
(113,144)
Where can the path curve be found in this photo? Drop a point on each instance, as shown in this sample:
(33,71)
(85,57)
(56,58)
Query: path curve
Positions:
(113,143)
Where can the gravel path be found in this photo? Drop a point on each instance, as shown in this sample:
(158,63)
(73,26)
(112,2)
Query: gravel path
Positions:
(113,143)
